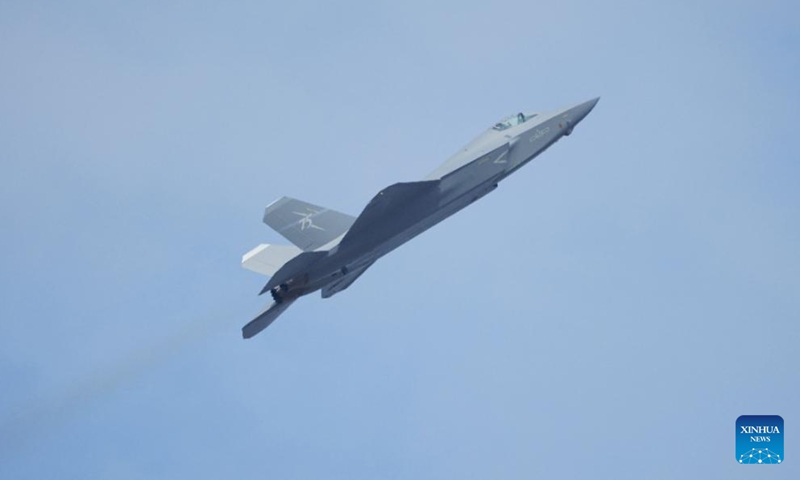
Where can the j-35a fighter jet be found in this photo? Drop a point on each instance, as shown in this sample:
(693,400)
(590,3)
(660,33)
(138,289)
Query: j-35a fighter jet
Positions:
(332,249)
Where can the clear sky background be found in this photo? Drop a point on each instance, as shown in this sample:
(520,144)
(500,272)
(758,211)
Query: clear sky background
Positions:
(608,312)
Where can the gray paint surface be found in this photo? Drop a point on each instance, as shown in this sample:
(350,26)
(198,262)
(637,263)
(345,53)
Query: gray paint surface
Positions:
(401,211)
(308,226)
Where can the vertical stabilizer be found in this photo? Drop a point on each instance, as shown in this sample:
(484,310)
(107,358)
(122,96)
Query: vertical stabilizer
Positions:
(305,225)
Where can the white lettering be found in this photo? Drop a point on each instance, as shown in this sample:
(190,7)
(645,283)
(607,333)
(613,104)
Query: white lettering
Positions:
(539,133)
(749,429)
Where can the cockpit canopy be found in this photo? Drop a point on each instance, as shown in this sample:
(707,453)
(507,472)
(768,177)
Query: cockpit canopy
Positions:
(512,121)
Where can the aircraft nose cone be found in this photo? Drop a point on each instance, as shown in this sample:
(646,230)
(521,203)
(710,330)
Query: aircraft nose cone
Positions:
(573,115)
(579,112)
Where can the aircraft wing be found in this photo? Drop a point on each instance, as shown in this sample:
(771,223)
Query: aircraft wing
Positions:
(265,318)
(391,208)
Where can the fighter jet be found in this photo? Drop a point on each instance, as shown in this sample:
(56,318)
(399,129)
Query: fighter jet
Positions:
(332,249)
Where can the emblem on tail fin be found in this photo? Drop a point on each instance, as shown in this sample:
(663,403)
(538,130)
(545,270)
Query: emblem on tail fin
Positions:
(306,221)
(304,224)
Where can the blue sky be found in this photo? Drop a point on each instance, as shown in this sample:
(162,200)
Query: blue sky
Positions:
(609,311)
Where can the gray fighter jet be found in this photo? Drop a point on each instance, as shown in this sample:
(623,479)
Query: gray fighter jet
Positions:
(333,249)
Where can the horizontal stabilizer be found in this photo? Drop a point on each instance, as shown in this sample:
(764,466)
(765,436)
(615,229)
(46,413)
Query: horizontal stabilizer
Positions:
(265,318)
(305,225)
(268,259)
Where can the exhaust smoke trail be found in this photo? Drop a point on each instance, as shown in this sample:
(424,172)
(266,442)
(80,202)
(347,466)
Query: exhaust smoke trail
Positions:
(33,420)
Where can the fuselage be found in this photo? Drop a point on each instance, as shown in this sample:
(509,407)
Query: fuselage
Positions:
(471,173)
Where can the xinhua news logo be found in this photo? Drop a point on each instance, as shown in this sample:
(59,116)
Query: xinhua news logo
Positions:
(759,439)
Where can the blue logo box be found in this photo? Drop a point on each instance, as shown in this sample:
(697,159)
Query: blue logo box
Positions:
(759,439)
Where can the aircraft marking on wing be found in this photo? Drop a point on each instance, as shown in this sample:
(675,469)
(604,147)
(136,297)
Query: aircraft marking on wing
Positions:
(501,158)
(306,221)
